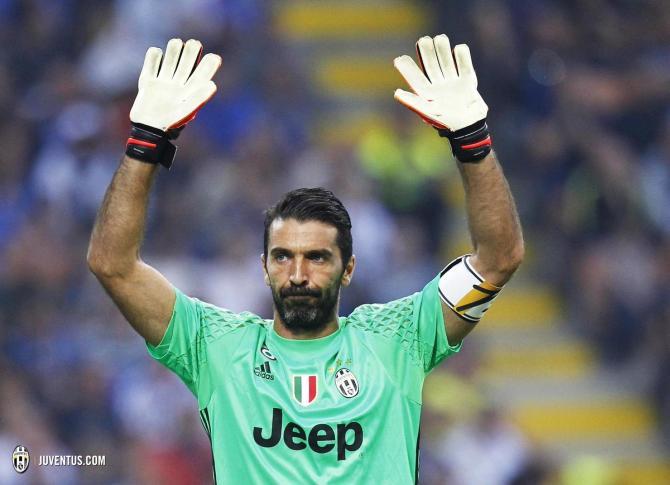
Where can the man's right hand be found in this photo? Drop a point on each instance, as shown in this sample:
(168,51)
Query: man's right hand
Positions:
(170,94)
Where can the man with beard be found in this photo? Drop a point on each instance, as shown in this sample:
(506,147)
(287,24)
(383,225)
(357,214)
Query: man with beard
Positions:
(309,396)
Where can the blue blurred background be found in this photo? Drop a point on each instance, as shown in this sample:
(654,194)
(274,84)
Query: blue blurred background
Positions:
(567,380)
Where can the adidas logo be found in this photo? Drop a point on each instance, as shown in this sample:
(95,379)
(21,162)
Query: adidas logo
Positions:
(263,371)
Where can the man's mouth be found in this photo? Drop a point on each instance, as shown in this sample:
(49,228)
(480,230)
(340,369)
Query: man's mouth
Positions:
(299,293)
(299,297)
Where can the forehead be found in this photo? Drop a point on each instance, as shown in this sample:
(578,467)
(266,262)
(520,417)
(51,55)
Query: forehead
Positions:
(301,236)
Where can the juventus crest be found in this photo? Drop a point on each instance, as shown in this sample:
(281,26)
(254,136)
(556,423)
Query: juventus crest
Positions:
(346,382)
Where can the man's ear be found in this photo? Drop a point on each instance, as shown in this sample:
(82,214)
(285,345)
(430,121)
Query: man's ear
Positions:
(348,272)
(266,277)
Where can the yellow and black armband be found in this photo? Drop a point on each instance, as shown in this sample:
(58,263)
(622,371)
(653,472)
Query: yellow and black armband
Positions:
(465,291)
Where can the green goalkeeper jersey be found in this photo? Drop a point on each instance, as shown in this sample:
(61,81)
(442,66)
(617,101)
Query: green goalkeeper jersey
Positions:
(339,409)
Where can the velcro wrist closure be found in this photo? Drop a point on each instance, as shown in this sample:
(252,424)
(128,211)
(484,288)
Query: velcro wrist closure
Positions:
(150,145)
(470,144)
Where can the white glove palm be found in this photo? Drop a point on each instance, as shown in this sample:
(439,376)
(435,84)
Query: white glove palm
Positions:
(171,93)
(445,92)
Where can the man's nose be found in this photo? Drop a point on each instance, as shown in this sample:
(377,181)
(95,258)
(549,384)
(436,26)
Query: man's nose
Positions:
(298,275)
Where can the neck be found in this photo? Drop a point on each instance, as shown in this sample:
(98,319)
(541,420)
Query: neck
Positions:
(282,330)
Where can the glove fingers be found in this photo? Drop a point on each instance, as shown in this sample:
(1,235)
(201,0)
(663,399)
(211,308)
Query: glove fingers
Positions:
(464,63)
(425,49)
(205,70)
(196,99)
(414,76)
(419,105)
(170,59)
(189,58)
(152,61)
(202,93)
(445,57)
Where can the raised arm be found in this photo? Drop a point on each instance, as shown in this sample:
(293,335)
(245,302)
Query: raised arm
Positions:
(494,229)
(445,95)
(171,90)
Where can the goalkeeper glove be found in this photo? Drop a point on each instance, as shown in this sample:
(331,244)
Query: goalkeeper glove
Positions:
(445,96)
(170,94)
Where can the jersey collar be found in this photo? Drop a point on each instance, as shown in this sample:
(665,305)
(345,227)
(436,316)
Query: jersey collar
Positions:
(309,346)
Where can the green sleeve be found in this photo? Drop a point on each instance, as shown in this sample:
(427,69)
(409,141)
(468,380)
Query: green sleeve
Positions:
(197,333)
(178,350)
(429,323)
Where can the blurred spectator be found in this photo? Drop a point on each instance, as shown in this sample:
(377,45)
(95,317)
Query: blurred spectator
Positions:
(489,435)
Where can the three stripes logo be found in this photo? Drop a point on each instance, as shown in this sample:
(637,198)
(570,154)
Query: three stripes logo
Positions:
(204,419)
(264,371)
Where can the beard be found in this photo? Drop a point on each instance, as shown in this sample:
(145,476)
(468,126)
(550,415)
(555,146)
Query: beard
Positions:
(306,314)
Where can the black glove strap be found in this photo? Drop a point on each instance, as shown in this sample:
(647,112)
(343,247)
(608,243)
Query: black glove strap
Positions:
(470,144)
(150,145)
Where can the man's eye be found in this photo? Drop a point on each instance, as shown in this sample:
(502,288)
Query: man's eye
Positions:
(281,258)
(317,258)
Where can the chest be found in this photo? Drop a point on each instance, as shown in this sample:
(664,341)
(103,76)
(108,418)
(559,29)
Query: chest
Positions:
(341,379)
(334,403)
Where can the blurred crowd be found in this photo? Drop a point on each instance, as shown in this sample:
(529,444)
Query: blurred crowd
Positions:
(578,92)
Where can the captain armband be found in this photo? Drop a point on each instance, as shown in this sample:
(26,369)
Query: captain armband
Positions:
(465,291)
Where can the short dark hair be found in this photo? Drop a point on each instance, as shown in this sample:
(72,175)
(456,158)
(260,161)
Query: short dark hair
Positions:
(313,204)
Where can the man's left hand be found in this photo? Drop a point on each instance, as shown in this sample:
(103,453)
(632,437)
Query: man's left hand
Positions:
(445,95)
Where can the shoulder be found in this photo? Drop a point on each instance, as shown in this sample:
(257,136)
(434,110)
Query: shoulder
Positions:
(376,316)
(215,321)
(390,331)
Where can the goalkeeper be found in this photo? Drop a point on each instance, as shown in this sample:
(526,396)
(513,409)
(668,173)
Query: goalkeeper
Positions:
(309,396)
